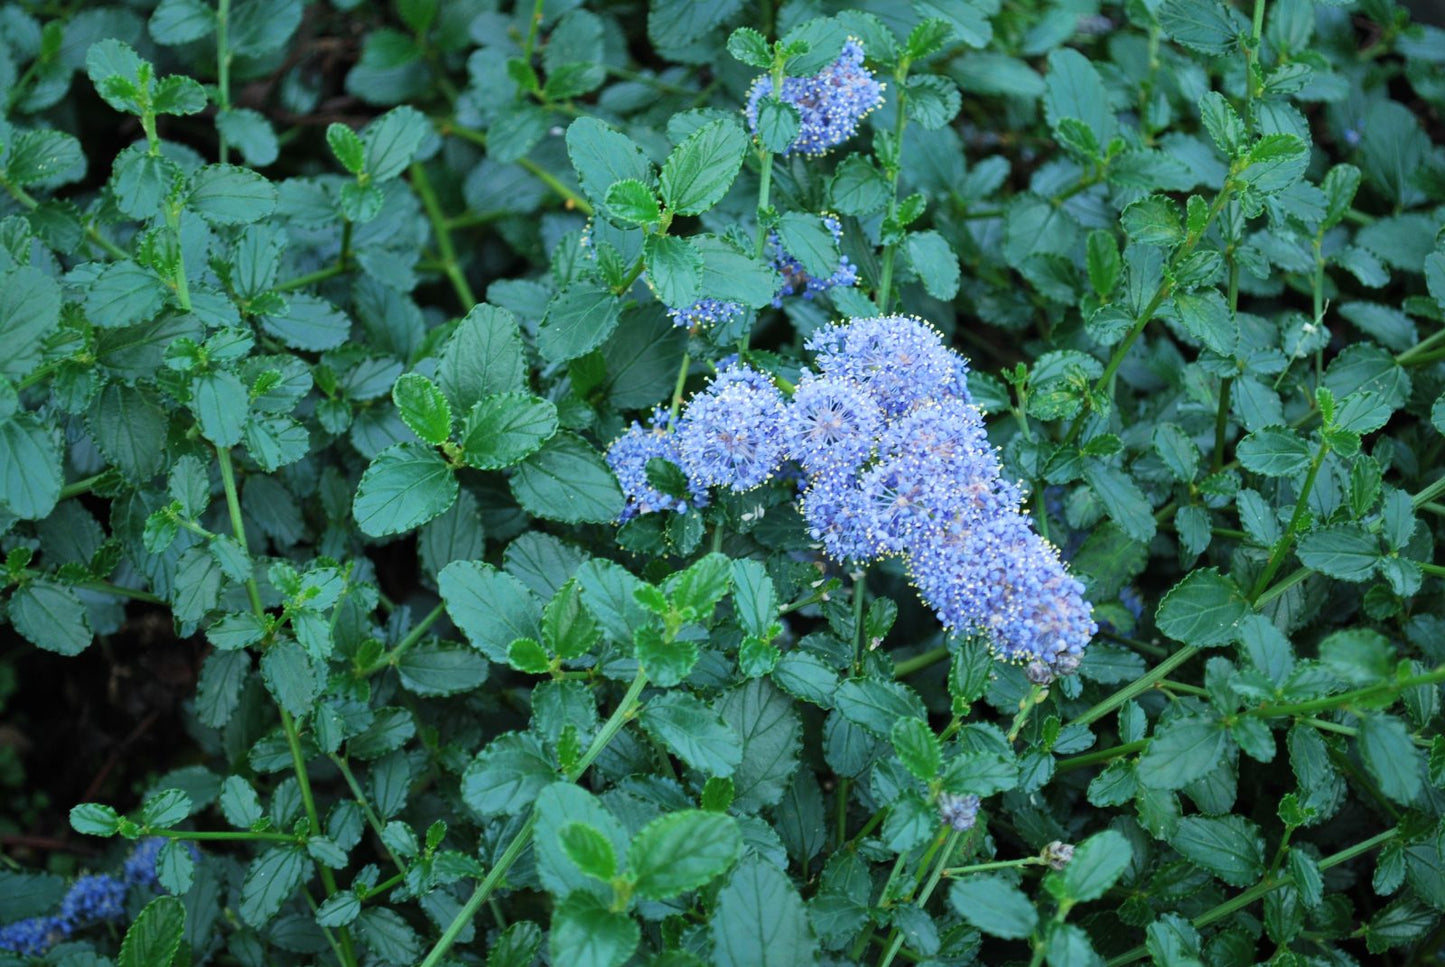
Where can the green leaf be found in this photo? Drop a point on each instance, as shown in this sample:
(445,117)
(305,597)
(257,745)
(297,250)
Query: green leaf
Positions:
(760,921)
(1274,452)
(50,616)
(779,124)
(506,777)
(94,819)
(633,202)
(1075,90)
(1345,551)
(338,910)
(31,471)
(681,851)
(1230,847)
(391,142)
(693,732)
(1102,262)
(589,849)
(750,47)
(935,262)
(994,906)
(271,880)
(1275,162)
(1202,610)
(858,187)
(230,195)
(155,937)
(807,239)
(220,402)
(702,585)
(166,808)
(578,319)
(250,133)
(567,480)
(1181,751)
(239,803)
(1205,316)
(917,748)
(674,269)
(423,407)
(178,95)
(38,156)
(699,171)
(491,607)
(1122,499)
(602,156)
(1202,25)
(1097,864)
(876,705)
(29,312)
(1390,756)
(484,356)
(124,294)
(404,487)
(585,933)
(771,733)
(1153,221)
(440,669)
(176,22)
(290,676)
(505,428)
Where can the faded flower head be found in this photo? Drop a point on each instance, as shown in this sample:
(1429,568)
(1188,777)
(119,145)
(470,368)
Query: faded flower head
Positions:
(1057,854)
(830,104)
(959,813)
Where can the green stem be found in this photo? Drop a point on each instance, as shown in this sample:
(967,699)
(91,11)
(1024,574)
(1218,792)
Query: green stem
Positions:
(994,865)
(624,712)
(1166,289)
(885,271)
(201,837)
(1429,493)
(1343,700)
(303,782)
(1281,549)
(310,278)
(105,587)
(412,637)
(91,232)
(546,177)
(81,486)
(223,70)
(438,221)
(1026,707)
(1421,347)
(233,507)
(1137,687)
(372,819)
(943,857)
(860,600)
(1099,755)
(1257,891)
(677,388)
(917,663)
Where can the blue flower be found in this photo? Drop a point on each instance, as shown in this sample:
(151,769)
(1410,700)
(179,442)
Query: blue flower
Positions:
(831,424)
(34,936)
(901,360)
(705,312)
(140,866)
(959,813)
(731,434)
(830,104)
(797,281)
(628,457)
(98,896)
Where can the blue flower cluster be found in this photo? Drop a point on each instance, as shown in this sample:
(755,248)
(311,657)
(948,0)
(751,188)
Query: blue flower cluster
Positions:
(94,898)
(895,461)
(830,104)
(705,313)
(629,456)
(797,281)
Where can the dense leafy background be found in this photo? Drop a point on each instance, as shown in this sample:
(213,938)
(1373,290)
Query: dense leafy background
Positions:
(316,319)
